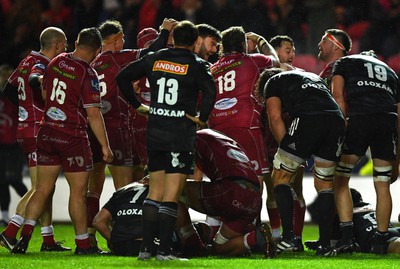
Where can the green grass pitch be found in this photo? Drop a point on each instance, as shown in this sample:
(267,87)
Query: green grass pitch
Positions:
(305,260)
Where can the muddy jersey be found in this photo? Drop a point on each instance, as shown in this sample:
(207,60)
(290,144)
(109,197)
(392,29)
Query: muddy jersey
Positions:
(114,107)
(125,207)
(176,78)
(71,85)
(30,101)
(371,86)
(219,156)
(302,94)
(235,77)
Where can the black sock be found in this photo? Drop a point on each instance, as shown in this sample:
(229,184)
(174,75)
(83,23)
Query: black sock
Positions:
(150,224)
(346,229)
(326,203)
(167,213)
(284,202)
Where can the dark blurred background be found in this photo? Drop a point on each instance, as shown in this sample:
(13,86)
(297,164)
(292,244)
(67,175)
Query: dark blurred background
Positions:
(372,24)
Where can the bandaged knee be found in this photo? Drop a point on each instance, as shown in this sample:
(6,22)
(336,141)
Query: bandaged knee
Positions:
(382,173)
(283,162)
(344,169)
(324,173)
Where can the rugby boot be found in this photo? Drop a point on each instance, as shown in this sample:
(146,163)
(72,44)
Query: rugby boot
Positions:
(87,251)
(379,243)
(264,241)
(325,251)
(57,247)
(161,256)
(21,246)
(345,246)
(286,244)
(7,242)
(299,243)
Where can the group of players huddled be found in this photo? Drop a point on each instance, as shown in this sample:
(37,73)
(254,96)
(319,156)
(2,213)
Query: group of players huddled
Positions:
(201,119)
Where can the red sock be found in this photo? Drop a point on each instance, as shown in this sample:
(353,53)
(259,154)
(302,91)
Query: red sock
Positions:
(11,230)
(49,240)
(92,204)
(27,230)
(298,217)
(250,239)
(274,218)
(83,243)
(48,235)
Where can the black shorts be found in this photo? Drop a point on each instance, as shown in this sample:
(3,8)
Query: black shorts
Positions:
(128,247)
(377,131)
(318,135)
(171,162)
(11,163)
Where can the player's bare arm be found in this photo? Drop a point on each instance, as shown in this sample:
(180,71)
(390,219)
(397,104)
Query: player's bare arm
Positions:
(276,123)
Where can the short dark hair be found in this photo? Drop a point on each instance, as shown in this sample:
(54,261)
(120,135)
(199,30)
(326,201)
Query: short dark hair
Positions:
(264,77)
(233,39)
(185,33)
(110,27)
(342,37)
(206,30)
(277,41)
(90,38)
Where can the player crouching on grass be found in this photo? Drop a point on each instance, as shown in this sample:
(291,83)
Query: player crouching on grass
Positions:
(120,223)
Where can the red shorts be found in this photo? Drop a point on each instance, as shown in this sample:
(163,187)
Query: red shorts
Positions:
(139,133)
(139,153)
(58,148)
(120,144)
(28,146)
(235,206)
(253,143)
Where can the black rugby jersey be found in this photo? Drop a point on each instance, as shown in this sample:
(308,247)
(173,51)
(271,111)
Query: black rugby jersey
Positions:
(125,207)
(364,228)
(302,94)
(371,86)
(176,77)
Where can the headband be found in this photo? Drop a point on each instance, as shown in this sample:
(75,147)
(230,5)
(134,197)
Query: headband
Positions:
(112,39)
(335,41)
